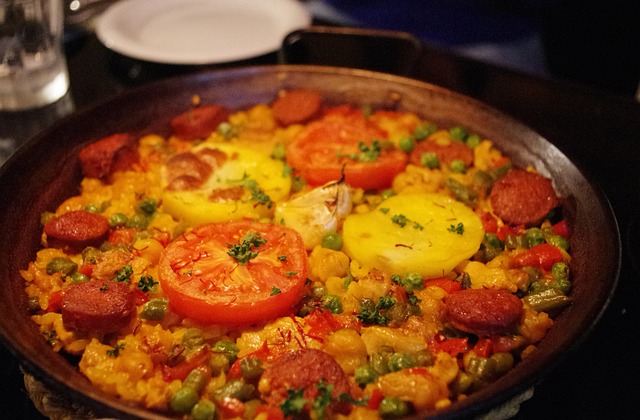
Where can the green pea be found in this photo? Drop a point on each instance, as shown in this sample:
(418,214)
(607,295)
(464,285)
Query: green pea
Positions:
(279,151)
(90,254)
(365,374)
(503,362)
(148,206)
(458,166)
(430,160)
(93,208)
(473,140)
(399,361)
(184,400)
(462,383)
(407,144)
(380,359)
(333,303)
(118,219)
(196,379)
(458,133)
(393,407)
(61,265)
(560,270)
(424,130)
(203,410)
(332,240)
(79,278)
(251,368)
(226,130)
(193,338)
(227,348)
(562,284)
(155,309)
(138,220)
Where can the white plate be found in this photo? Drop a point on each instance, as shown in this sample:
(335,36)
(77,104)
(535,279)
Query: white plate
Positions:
(199,31)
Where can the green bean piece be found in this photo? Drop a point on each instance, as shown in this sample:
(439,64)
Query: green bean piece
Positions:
(118,219)
(184,400)
(365,374)
(562,284)
(514,241)
(550,299)
(430,160)
(393,407)
(61,265)
(559,241)
(203,410)
(155,309)
(235,388)
(461,192)
(332,240)
(218,363)
(192,338)
(251,368)
(483,179)
(533,237)
(227,348)
(406,144)
(380,359)
(462,383)
(458,166)
(399,361)
(196,379)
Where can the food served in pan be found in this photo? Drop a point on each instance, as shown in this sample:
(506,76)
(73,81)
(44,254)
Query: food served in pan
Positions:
(300,259)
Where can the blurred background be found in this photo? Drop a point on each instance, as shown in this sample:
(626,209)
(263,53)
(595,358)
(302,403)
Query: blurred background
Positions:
(593,42)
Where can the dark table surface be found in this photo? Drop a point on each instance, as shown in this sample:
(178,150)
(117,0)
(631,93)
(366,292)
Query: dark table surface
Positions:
(597,129)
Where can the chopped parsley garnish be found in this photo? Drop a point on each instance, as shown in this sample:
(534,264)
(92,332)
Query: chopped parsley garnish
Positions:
(400,220)
(294,403)
(384,210)
(124,274)
(116,350)
(374,313)
(291,273)
(275,291)
(244,251)
(369,153)
(147,284)
(459,228)
(104,287)
(322,401)
(282,258)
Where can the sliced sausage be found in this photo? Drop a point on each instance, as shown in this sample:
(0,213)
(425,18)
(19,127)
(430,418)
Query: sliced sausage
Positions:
(101,159)
(189,169)
(221,195)
(98,306)
(212,157)
(304,369)
(199,123)
(76,230)
(446,153)
(483,311)
(523,198)
(297,107)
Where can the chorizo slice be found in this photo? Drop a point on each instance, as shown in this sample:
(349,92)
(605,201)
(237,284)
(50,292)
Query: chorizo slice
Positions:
(98,306)
(198,123)
(297,106)
(304,369)
(187,166)
(446,153)
(75,230)
(483,311)
(521,197)
(101,159)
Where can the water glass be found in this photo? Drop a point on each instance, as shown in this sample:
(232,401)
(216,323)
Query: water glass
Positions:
(33,68)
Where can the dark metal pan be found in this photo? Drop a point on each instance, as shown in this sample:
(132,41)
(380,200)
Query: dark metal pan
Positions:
(45,171)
